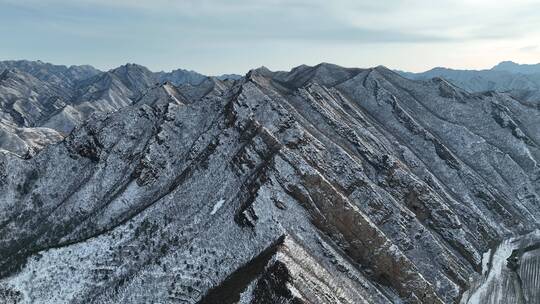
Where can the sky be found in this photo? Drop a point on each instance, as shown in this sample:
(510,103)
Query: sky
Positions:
(233,36)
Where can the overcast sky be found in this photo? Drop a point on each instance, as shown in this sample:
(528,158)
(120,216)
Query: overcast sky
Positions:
(233,36)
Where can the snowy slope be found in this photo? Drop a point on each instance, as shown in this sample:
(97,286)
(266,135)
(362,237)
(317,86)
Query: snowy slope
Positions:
(318,185)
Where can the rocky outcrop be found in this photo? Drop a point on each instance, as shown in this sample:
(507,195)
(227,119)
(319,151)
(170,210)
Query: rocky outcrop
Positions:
(319,185)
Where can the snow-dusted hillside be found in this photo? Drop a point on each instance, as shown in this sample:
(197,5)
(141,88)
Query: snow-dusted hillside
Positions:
(318,185)
(40,103)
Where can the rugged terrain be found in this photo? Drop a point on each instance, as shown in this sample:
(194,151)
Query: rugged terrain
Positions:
(40,103)
(319,185)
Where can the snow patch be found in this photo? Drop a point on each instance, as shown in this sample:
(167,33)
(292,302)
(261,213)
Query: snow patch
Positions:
(485,262)
(497,283)
(217,206)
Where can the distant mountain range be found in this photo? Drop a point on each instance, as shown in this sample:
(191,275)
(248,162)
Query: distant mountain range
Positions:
(520,80)
(510,66)
(41,102)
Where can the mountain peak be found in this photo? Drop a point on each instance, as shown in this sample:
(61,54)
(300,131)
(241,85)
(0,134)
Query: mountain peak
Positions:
(514,67)
(383,70)
(505,64)
(181,76)
(327,74)
(130,67)
(261,70)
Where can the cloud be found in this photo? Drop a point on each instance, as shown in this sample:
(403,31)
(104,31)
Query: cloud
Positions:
(238,20)
(405,21)
(530,48)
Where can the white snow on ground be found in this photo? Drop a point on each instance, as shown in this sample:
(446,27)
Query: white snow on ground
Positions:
(493,286)
(58,275)
(485,262)
(494,276)
(218,205)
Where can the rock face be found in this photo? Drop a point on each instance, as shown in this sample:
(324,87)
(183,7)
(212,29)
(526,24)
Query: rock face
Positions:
(318,185)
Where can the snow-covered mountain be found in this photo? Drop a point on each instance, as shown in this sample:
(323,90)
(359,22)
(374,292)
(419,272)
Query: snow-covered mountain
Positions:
(58,75)
(25,104)
(181,76)
(522,81)
(318,185)
(41,102)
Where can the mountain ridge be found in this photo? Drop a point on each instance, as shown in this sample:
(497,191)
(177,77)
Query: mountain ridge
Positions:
(75,93)
(390,188)
(522,81)
(511,66)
